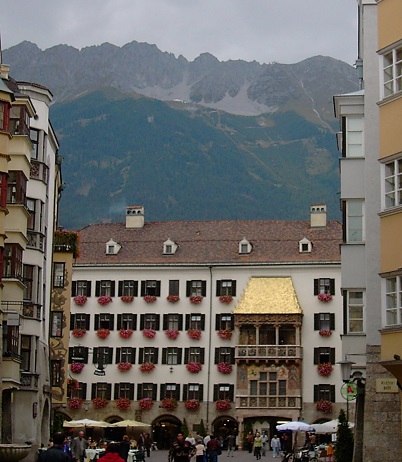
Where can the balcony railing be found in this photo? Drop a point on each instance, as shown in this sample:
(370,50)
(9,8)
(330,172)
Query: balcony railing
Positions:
(39,171)
(29,381)
(290,402)
(36,240)
(268,352)
(32,310)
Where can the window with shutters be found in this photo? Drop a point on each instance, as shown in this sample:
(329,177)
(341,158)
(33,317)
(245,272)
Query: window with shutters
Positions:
(194,355)
(104,321)
(127,321)
(148,355)
(325,392)
(226,287)
(195,321)
(170,390)
(174,287)
(81,288)
(80,321)
(105,289)
(193,391)
(223,391)
(324,286)
(224,355)
(103,355)
(79,392)
(196,288)
(124,390)
(324,321)
(173,321)
(151,287)
(128,288)
(125,355)
(150,321)
(56,323)
(224,322)
(101,390)
(146,390)
(324,355)
(171,355)
(78,354)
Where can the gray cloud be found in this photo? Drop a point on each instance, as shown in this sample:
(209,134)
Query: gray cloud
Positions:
(285,31)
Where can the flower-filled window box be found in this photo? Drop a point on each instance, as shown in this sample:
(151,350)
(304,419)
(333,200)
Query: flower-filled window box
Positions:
(325,332)
(78,333)
(325,369)
(223,405)
(99,403)
(76,368)
(172,334)
(194,334)
(127,298)
(225,299)
(225,334)
(147,367)
(80,300)
(149,333)
(103,333)
(124,367)
(324,297)
(196,299)
(324,406)
(75,403)
(125,333)
(225,368)
(145,404)
(194,367)
(169,403)
(172,298)
(192,404)
(104,300)
(150,298)
(72,384)
(123,404)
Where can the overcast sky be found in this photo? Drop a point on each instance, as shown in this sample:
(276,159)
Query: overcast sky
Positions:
(285,31)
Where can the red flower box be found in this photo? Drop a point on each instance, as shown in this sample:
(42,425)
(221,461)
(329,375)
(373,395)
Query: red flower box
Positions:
(72,384)
(225,299)
(123,404)
(103,333)
(150,298)
(127,298)
(196,299)
(76,367)
(78,333)
(194,367)
(80,300)
(104,300)
(192,404)
(145,404)
(169,403)
(125,333)
(194,334)
(149,333)
(75,403)
(124,367)
(147,367)
(324,297)
(225,334)
(325,332)
(173,298)
(225,368)
(325,369)
(99,403)
(324,406)
(172,334)
(223,405)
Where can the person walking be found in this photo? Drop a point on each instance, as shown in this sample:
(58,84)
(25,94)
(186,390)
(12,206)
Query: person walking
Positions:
(124,448)
(249,440)
(231,442)
(257,445)
(112,453)
(180,451)
(55,453)
(213,449)
(275,445)
(78,446)
(199,451)
(264,438)
(147,444)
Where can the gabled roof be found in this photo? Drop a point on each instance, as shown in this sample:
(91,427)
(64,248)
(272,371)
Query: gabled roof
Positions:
(211,242)
(269,296)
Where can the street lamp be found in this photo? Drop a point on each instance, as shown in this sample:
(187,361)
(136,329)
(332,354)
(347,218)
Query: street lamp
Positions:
(346,373)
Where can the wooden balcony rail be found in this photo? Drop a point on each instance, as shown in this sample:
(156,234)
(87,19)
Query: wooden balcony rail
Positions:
(268,352)
(291,402)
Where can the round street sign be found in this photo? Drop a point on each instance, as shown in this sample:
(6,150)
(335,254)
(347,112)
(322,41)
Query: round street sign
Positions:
(349,391)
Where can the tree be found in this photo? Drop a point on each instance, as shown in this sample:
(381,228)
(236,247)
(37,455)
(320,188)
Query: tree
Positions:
(344,440)
(201,429)
(184,428)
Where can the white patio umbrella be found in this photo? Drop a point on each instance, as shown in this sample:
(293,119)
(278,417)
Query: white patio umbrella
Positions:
(129,423)
(84,423)
(295,426)
(330,426)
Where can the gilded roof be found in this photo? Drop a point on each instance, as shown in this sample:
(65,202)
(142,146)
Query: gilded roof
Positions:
(211,242)
(269,296)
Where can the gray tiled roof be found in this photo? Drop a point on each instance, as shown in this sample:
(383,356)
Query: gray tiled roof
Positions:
(214,242)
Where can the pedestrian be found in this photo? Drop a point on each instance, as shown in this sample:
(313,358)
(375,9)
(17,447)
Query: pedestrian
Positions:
(206,439)
(141,441)
(112,453)
(124,448)
(312,440)
(231,442)
(199,451)
(55,453)
(275,445)
(264,438)
(179,451)
(257,445)
(213,449)
(190,439)
(286,443)
(249,440)
(78,446)
(330,452)
(147,444)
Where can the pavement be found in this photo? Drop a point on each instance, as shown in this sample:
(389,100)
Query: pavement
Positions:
(238,456)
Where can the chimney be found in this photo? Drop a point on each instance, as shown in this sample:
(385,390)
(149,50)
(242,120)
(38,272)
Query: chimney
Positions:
(318,216)
(135,217)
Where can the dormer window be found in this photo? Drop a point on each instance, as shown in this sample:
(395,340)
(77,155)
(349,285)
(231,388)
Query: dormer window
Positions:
(169,247)
(112,247)
(305,246)
(244,246)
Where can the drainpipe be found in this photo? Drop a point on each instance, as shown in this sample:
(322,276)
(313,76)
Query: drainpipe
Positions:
(210,358)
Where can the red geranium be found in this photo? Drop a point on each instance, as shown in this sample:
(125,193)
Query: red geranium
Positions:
(78,333)
(196,299)
(123,404)
(149,333)
(104,300)
(125,333)
(225,299)
(195,334)
(145,404)
(173,298)
(127,298)
(223,405)
(80,300)
(225,334)
(75,403)
(325,369)
(194,367)
(124,367)
(225,368)
(99,403)
(103,333)
(192,404)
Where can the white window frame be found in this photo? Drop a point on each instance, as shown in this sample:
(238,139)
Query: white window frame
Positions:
(354,217)
(355,304)
(392,184)
(392,72)
(393,301)
(354,136)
